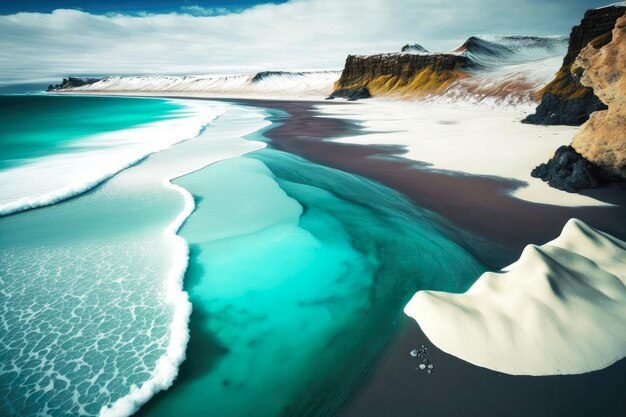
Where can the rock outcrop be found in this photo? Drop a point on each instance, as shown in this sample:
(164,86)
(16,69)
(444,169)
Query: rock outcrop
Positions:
(414,48)
(569,171)
(401,73)
(602,139)
(71,82)
(598,151)
(351,94)
(565,101)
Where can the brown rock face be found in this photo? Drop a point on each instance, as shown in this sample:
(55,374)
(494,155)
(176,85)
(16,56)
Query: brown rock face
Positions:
(401,73)
(602,140)
(483,68)
(565,100)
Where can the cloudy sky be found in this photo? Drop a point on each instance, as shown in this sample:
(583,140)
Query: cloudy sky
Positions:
(42,40)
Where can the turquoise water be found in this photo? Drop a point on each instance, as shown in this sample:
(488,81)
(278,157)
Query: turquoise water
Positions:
(35,125)
(88,294)
(57,147)
(297,275)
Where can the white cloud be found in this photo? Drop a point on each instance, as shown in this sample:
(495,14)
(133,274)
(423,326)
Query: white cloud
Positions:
(300,34)
(195,10)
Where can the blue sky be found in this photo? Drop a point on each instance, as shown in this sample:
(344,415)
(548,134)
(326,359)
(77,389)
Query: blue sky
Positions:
(53,38)
(128,6)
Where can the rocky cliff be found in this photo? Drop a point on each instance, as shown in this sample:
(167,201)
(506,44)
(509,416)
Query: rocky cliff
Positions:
(502,69)
(602,139)
(565,101)
(401,73)
(598,151)
(71,82)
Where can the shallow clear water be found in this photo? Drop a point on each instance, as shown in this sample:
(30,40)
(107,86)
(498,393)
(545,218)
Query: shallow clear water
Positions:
(297,275)
(81,315)
(89,307)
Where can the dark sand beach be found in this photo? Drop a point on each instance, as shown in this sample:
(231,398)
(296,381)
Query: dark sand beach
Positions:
(480,205)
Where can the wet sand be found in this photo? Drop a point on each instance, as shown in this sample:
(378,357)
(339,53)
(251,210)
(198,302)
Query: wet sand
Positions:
(480,205)
(459,389)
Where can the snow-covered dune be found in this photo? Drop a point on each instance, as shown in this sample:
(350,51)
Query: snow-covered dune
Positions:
(266,83)
(560,309)
(506,69)
(495,50)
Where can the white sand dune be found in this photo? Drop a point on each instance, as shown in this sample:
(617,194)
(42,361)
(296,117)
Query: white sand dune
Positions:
(560,309)
(463,137)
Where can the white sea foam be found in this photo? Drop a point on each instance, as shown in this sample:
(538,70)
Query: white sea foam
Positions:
(51,179)
(183,159)
(110,314)
(167,367)
(560,309)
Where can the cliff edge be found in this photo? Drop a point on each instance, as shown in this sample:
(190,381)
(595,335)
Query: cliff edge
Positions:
(602,139)
(565,101)
(401,73)
(72,82)
(598,151)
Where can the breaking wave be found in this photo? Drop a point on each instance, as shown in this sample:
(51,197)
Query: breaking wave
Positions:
(50,179)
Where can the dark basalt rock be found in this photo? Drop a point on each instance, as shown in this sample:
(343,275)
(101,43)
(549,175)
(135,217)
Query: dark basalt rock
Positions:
(72,82)
(414,48)
(352,94)
(565,100)
(569,171)
(554,110)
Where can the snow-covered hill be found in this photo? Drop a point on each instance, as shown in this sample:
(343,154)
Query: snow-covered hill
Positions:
(263,83)
(507,69)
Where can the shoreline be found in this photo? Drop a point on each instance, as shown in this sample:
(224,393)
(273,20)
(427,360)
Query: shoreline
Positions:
(395,387)
(188,121)
(388,236)
(122,231)
(392,386)
(479,204)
